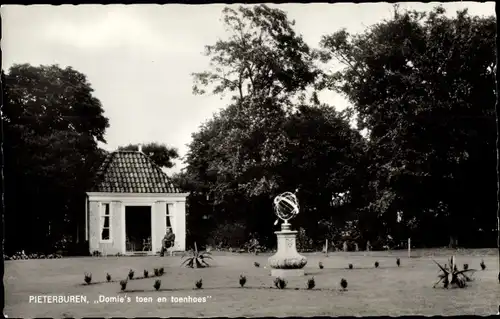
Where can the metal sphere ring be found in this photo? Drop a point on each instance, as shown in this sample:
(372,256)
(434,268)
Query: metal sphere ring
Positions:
(286,206)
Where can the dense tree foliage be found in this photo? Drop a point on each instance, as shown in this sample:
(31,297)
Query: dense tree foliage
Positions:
(424,87)
(52,124)
(161,154)
(263,57)
(269,140)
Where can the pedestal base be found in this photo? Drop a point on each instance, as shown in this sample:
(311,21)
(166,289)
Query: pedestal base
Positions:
(287,261)
(282,273)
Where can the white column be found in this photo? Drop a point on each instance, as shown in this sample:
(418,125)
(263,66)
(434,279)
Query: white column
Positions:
(180,221)
(159,224)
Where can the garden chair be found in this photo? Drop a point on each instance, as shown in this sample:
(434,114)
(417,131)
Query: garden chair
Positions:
(130,245)
(172,249)
(146,244)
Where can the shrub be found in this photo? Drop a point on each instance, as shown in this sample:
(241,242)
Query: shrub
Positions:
(228,235)
(304,242)
(88,278)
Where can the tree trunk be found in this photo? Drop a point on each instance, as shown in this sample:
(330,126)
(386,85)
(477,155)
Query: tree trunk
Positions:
(453,242)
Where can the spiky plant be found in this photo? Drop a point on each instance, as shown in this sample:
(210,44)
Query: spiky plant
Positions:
(376,264)
(131,274)
(311,283)
(280,283)
(108,277)
(196,258)
(123,284)
(87,278)
(243,280)
(320,264)
(146,273)
(199,283)
(157,284)
(351,266)
(451,276)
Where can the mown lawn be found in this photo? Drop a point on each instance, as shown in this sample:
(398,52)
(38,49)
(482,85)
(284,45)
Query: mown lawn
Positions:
(387,290)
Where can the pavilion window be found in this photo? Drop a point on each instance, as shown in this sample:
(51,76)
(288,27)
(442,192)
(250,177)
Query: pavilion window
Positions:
(105,222)
(169,216)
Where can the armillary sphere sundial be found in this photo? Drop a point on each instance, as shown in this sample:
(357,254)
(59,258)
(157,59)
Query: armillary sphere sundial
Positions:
(287,261)
(286,207)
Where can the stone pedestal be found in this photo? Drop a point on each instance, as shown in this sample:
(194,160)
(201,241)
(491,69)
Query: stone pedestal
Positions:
(287,261)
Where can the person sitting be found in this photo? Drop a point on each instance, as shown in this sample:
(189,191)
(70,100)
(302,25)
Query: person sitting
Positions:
(167,242)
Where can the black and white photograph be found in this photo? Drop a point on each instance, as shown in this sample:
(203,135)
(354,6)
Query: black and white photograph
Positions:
(250,160)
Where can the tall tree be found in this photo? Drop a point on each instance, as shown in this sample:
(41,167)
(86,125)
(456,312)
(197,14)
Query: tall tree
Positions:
(423,86)
(161,154)
(52,124)
(249,152)
(263,57)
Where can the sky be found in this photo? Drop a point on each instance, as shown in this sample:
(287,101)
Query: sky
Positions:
(139,58)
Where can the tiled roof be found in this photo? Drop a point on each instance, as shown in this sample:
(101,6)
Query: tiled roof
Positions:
(131,172)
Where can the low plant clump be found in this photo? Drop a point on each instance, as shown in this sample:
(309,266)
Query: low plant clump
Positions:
(311,283)
(280,283)
(88,278)
(123,284)
(243,280)
(157,284)
(343,284)
(21,255)
(199,284)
